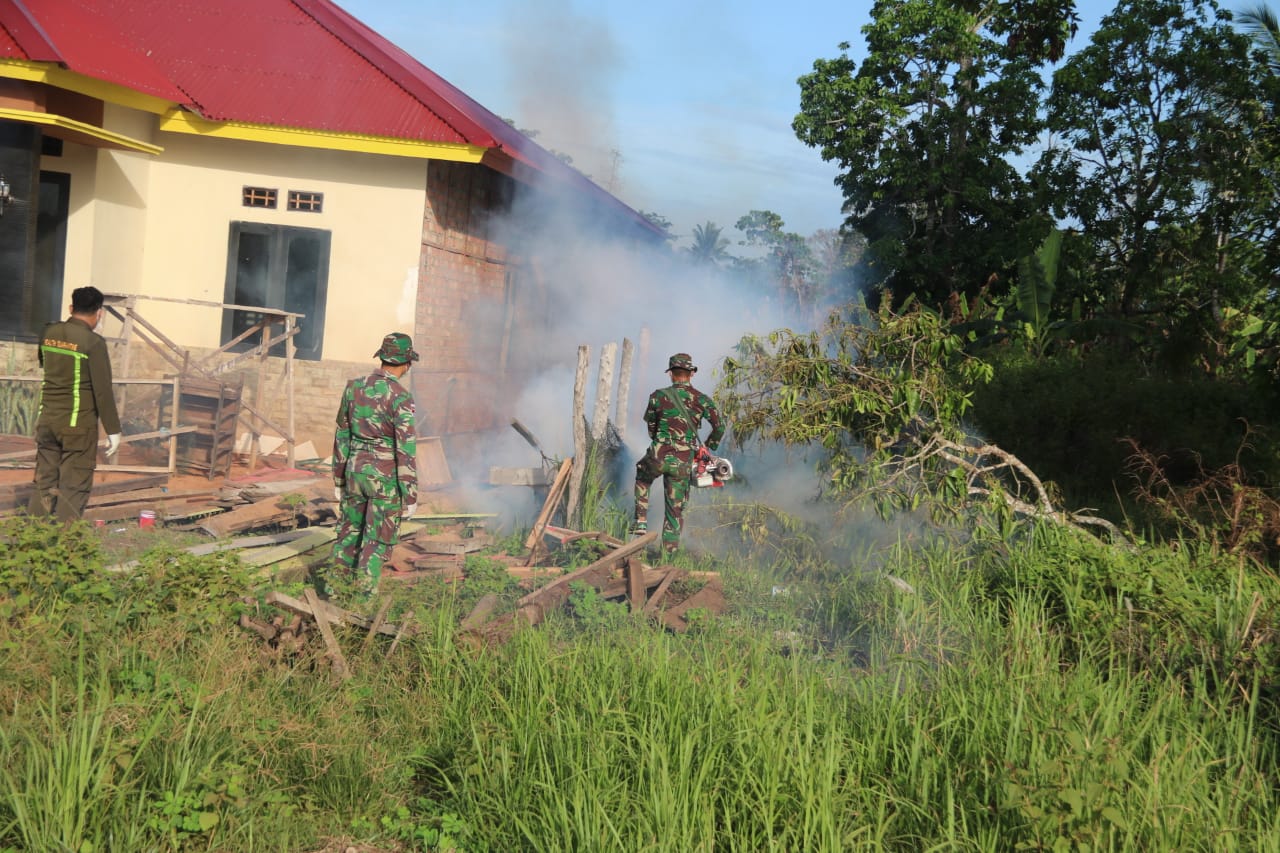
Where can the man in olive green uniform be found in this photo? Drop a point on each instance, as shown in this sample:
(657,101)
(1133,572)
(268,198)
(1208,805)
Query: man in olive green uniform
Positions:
(75,396)
(674,415)
(374,464)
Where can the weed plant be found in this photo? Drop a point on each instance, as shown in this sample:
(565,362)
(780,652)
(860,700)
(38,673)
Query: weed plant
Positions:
(1031,693)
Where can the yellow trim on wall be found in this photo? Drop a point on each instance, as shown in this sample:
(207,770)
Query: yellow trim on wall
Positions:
(54,120)
(181,121)
(52,75)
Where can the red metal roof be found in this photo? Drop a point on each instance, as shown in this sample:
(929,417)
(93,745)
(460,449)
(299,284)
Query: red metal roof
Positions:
(288,63)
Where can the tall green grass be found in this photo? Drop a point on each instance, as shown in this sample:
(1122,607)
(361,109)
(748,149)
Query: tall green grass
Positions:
(1040,693)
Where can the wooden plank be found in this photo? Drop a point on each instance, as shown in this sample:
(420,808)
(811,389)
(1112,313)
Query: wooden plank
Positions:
(334,613)
(432,466)
(244,542)
(18,494)
(659,593)
(710,597)
(549,506)
(636,590)
(481,612)
(500,476)
(617,586)
(377,623)
(261,513)
(308,540)
(534,606)
(448,546)
(213,547)
(404,626)
(330,641)
(159,495)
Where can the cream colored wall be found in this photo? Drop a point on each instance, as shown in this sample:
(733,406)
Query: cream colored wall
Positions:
(158,225)
(372,208)
(106,221)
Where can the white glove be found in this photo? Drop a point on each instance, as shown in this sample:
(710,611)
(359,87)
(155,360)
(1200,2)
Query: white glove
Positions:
(337,493)
(113,443)
(409,510)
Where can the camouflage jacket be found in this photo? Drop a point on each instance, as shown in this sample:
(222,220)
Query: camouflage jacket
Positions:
(376,421)
(77,377)
(675,413)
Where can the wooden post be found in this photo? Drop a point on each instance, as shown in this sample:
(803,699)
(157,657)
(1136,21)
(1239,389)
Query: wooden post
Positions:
(173,425)
(291,439)
(604,391)
(126,331)
(256,434)
(624,388)
(634,570)
(572,511)
(644,352)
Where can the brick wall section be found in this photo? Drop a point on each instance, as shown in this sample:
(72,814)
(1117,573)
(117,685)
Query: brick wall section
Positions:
(461,300)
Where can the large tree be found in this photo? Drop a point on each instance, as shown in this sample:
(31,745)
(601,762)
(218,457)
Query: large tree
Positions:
(1163,155)
(924,130)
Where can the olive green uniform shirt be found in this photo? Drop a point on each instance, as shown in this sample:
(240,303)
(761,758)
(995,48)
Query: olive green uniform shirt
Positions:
(77,378)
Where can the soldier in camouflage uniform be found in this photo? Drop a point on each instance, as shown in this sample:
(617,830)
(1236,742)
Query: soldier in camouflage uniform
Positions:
(75,395)
(674,415)
(374,464)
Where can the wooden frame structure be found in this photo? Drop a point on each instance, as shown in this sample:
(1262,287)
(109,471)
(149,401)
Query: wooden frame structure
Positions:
(171,432)
(124,307)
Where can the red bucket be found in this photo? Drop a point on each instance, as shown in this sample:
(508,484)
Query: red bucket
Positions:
(147,518)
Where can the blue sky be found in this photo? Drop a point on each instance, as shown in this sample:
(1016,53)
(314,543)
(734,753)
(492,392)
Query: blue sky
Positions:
(682,109)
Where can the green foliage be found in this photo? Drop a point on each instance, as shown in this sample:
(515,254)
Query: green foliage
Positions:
(422,830)
(871,390)
(593,612)
(484,576)
(1166,158)
(1067,418)
(45,563)
(929,184)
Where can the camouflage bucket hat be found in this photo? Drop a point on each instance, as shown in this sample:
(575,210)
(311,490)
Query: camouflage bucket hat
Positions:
(681,361)
(397,348)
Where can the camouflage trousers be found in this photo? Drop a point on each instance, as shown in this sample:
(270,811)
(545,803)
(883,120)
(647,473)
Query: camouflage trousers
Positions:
(66,458)
(368,528)
(675,467)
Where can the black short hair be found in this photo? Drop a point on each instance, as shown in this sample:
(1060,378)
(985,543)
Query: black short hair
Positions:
(86,300)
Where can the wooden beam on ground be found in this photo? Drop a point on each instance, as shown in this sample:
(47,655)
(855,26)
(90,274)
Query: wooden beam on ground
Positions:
(377,623)
(18,494)
(658,594)
(710,598)
(330,641)
(301,541)
(536,605)
(481,612)
(333,612)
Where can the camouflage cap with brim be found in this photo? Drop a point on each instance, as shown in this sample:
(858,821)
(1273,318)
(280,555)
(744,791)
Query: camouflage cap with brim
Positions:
(681,361)
(397,348)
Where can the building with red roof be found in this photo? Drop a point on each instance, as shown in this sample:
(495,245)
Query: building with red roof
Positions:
(275,154)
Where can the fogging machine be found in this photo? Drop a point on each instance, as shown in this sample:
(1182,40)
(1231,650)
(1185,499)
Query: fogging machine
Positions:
(710,470)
